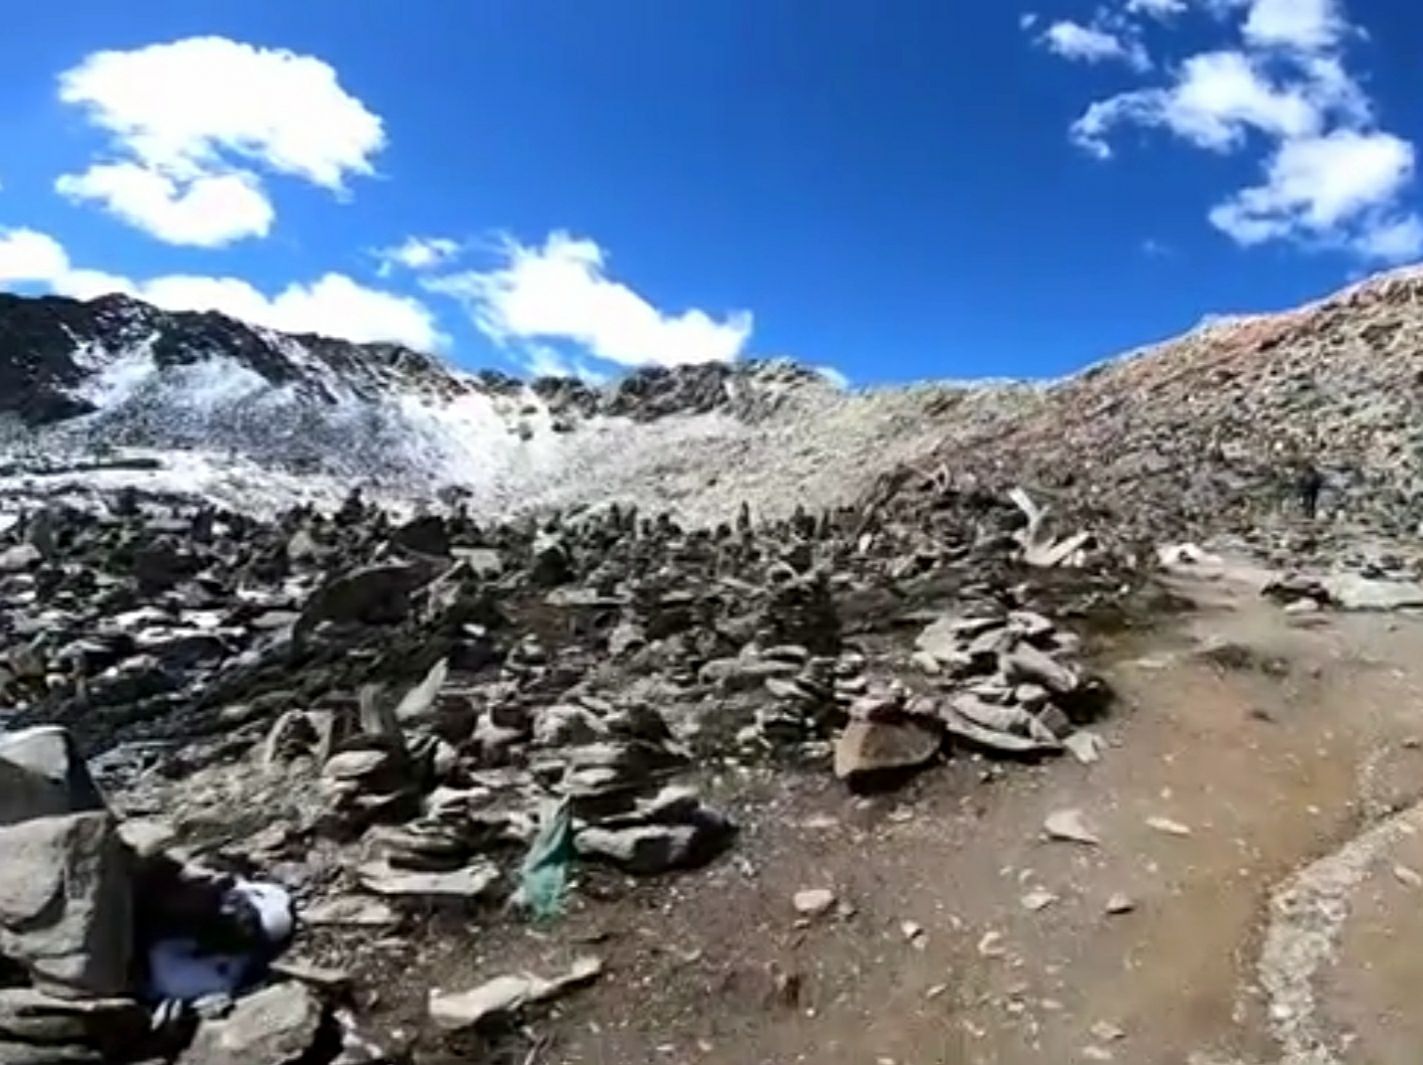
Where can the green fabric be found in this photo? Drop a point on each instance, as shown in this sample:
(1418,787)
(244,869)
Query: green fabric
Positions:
(543,878)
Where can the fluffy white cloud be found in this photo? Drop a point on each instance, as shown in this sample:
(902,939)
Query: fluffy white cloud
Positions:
(561,292)
(1216,99)
(333,305)
(1092,44)
(192,121)
(1307,25)
(417,253)
(28,255)
(207,211)
(1330,188)
(1331,177)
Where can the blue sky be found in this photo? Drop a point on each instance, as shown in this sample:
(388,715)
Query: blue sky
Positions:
(897,190)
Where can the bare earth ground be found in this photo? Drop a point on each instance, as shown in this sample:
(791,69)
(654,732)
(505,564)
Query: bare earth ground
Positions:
(1284,928)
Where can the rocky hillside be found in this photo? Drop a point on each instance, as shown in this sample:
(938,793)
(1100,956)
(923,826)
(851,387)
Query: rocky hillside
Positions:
(123,393)
(1207,433)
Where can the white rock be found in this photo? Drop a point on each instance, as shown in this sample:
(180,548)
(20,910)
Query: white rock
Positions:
(814,902)
(1120,903)
(1038,899)
(1168,826)
(1086,746)
(505,995)
(472,882)
(1069,826)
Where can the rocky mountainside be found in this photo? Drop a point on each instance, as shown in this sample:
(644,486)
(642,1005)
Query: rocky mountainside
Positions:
(1212,435)
(115,384)
(1208,433)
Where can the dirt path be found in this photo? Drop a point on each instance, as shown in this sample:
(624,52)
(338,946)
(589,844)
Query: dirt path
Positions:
(1282,929)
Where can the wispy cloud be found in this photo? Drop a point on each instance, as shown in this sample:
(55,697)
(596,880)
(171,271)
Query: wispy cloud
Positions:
(417,254)
(1094,44)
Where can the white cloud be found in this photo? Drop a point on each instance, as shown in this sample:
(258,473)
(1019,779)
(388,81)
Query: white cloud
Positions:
(207,211)
(28,255)
(417,253)
(1307,25)
(1331,177)
(1216,99)
(1392,241)
(1330,188)
(1027,20)
(1091,44)
(333,305)
(561,292)
(192,121)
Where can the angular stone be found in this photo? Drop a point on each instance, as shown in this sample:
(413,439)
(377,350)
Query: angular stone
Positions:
(350,911)
(1012,719)
(357,765)
(41,775)
(417,702)
(867,750)
(66,903)
(564,724)
(974,735)
(1354,592)
(505,995)
(551,564)
(473,882)
(275,1026)
(425,535)
(813,902)
(1026,664)
(649,849)
(372,595)
(30,1016)
(1069,826)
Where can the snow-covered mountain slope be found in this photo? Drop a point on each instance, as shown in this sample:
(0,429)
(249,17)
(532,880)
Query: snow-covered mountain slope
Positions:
(115,392)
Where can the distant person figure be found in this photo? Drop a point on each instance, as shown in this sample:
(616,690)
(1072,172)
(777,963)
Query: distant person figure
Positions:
(1311,482)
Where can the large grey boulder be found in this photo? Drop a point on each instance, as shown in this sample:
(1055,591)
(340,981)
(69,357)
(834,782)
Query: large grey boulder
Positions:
(66,903)
(275,1026)
(41,774)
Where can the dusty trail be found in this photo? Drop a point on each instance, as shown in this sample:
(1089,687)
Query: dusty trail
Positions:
(1281,929)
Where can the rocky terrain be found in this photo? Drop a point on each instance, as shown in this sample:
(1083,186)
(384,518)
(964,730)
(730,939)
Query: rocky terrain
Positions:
(335,682)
